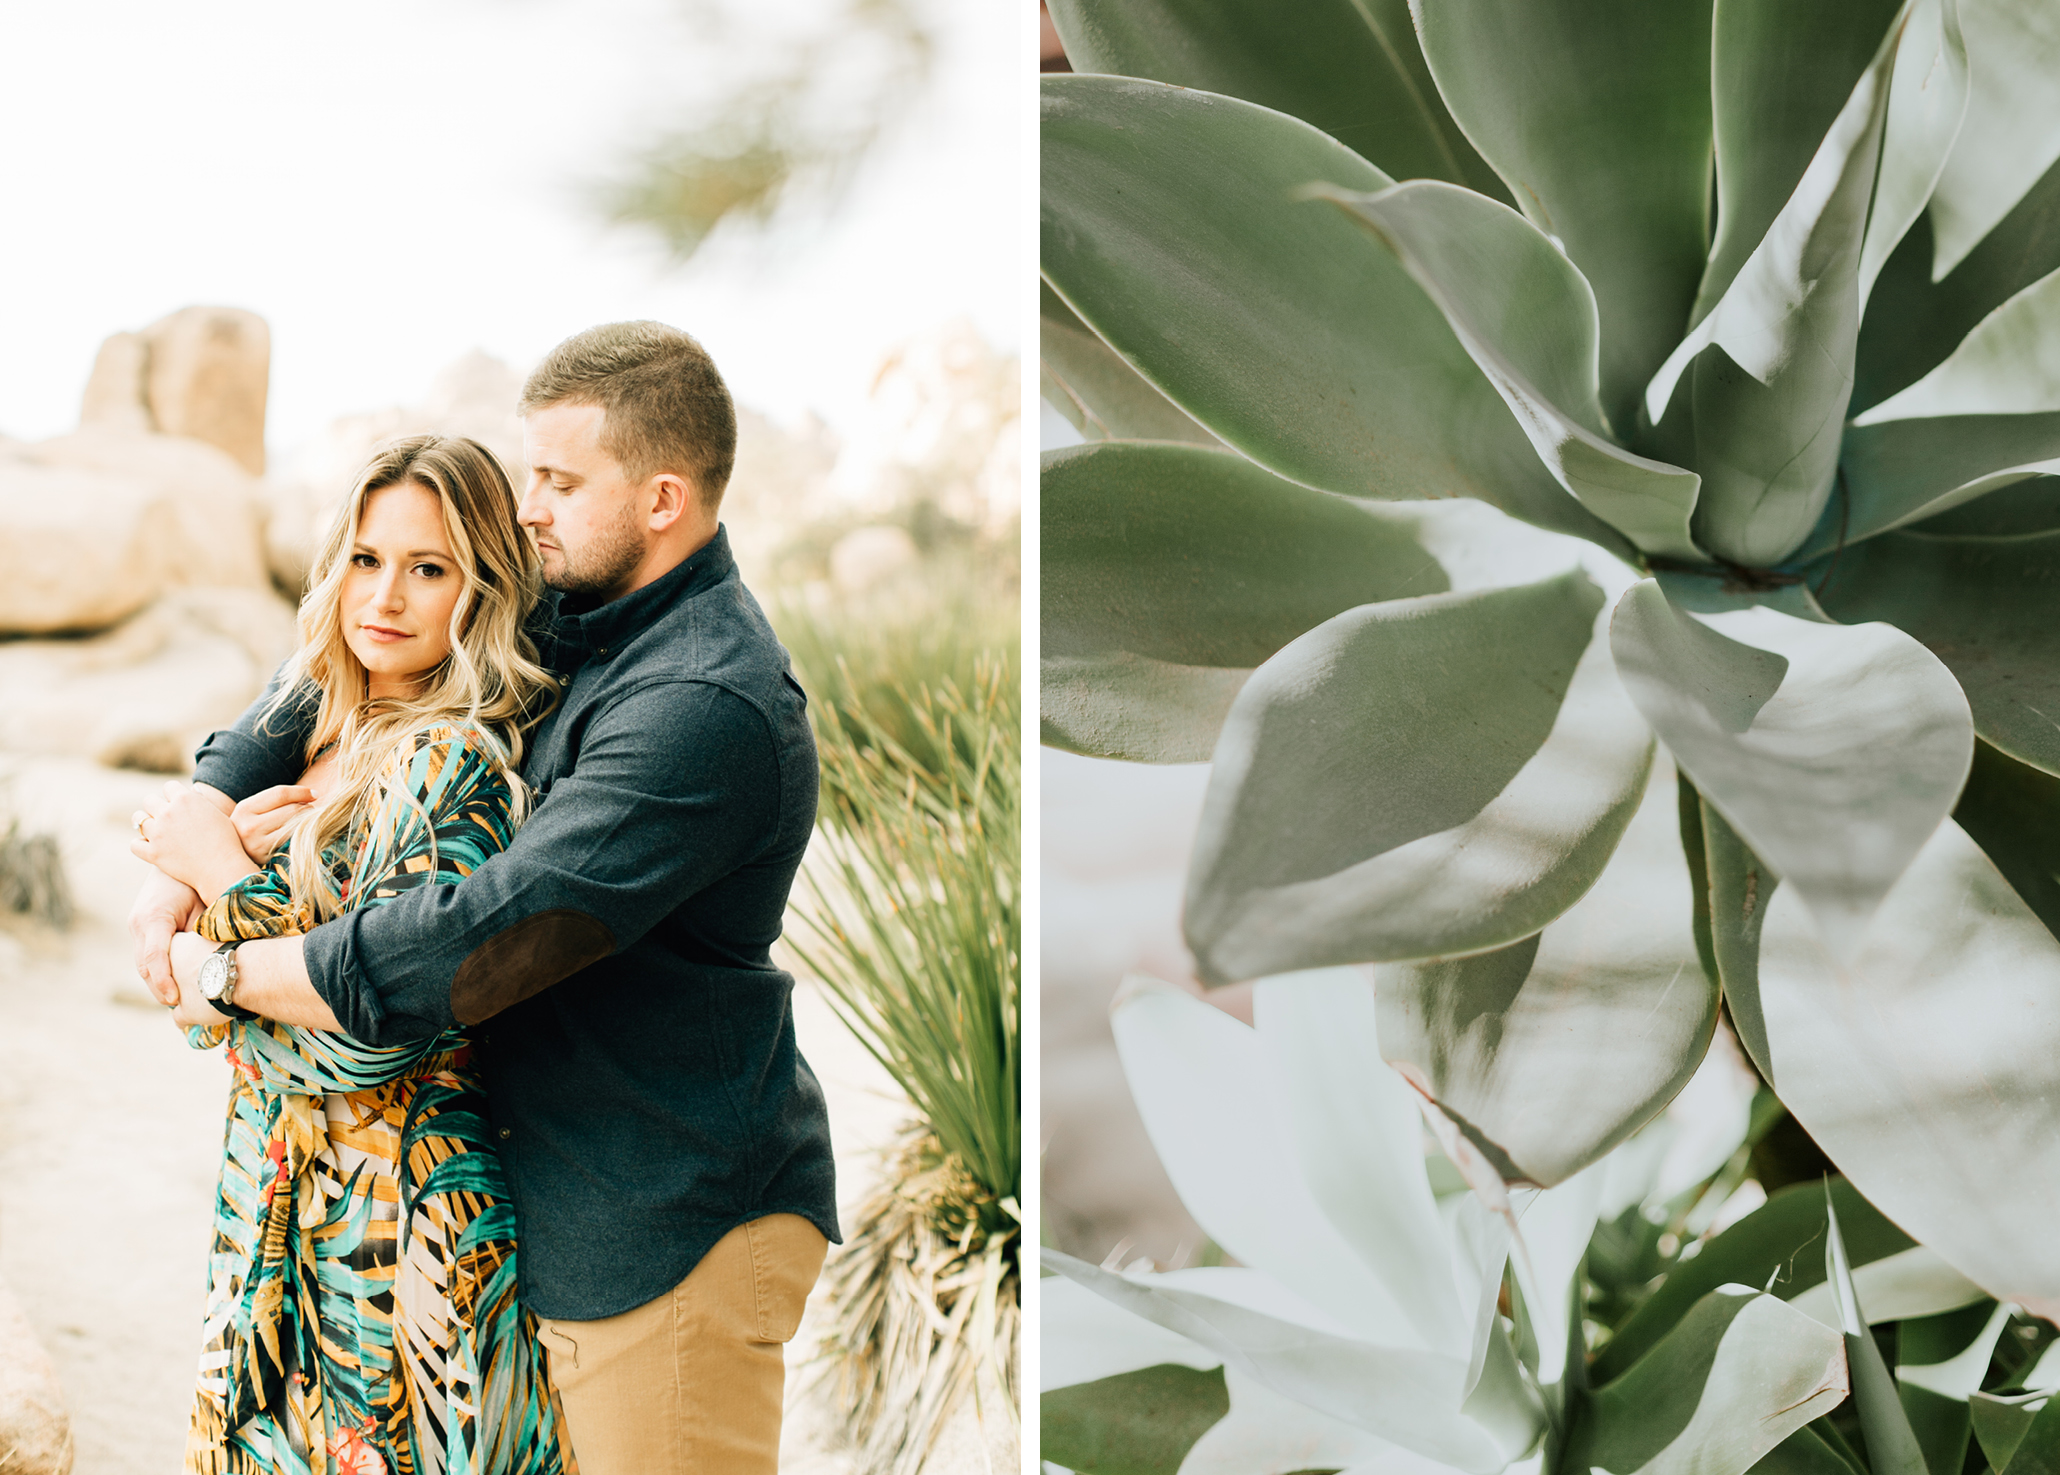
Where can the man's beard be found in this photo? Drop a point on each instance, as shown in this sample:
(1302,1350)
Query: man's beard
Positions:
(604,562)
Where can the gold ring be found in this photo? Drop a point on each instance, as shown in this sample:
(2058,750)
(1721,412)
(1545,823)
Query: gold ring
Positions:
(140,817)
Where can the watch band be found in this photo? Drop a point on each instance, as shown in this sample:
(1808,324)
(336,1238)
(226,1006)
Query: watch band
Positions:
(226,1001)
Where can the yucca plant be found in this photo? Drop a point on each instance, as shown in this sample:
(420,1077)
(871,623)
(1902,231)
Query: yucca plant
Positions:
(1750,312)
(916,930)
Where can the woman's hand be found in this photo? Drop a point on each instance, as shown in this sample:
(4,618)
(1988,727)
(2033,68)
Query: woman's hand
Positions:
(263,820)
(188,951)
(187,835)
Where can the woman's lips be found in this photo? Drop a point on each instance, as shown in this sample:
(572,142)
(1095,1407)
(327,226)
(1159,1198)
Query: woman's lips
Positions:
(383,635)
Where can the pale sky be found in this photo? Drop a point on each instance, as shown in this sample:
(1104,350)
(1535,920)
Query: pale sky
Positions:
(394,182)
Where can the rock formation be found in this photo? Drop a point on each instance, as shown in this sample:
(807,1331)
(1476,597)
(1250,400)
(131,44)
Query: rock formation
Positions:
(202,373)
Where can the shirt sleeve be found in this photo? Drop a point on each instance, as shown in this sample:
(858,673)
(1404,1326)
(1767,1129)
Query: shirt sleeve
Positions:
(259,751)
(443,809)
(675,785)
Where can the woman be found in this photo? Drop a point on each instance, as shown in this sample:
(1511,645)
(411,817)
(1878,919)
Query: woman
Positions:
(361,1310)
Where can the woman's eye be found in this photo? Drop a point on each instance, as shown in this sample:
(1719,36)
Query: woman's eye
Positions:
(363,560)
(429,570)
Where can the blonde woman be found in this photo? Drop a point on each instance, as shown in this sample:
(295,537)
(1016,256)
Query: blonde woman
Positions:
(361,1311)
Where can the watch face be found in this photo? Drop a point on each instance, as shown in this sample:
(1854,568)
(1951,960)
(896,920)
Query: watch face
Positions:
(213,974)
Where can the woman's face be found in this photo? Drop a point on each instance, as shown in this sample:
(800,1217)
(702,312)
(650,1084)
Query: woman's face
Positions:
(398,593)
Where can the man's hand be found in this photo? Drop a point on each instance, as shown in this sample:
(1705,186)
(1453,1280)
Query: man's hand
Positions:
(190,836)
(263,819)
(163,907)
(188,951)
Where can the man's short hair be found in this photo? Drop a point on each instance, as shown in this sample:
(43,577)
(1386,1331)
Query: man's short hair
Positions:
(666,408)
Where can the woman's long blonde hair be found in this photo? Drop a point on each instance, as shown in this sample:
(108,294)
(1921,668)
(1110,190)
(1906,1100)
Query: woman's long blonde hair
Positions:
(490,683)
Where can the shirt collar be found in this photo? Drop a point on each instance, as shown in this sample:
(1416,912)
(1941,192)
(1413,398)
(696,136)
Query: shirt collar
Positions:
(609,626)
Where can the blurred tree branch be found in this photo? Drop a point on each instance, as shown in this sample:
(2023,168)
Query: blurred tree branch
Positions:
(788,138)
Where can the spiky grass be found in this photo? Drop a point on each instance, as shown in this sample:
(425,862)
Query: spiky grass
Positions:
(915,930)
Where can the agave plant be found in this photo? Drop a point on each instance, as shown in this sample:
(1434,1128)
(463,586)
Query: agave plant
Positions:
(1756,302)
(1385,1320)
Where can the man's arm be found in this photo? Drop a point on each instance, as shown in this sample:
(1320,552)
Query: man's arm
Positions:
(676,785)
(271,979)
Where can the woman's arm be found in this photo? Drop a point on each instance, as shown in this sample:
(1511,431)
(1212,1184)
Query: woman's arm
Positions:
(188,837)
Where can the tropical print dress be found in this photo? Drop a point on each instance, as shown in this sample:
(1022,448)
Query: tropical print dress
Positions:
(361,1308)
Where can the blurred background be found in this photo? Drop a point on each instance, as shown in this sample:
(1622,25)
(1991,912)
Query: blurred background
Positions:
(248,243)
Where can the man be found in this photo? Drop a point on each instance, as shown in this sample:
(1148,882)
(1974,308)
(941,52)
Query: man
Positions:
(666,1143)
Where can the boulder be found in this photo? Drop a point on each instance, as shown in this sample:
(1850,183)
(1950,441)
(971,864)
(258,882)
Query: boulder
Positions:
(144,694)
(95,524)
(35,1434)
(206,378)
(118,393)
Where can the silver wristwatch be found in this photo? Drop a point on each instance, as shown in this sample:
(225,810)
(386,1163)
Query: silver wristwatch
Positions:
(218,980)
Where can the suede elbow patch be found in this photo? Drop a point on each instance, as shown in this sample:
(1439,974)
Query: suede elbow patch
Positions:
(525,959)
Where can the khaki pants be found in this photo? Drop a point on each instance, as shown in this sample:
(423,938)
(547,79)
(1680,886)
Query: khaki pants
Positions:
(691,1383)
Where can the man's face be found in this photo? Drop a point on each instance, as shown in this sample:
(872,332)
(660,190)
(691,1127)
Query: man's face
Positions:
(590,522)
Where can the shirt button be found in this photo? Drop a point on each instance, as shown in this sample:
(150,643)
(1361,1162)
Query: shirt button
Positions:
(506,1133)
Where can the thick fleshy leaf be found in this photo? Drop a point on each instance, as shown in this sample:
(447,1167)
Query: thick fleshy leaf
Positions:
(1914,1283)
(1084,1339)
(1100,395)
(2012,133)
(1170,571)
(1946,592)
(1737,1375)
(2009,365)
(2003,1423)
(1139,1423)
(1834,750)
(1201,1084)
(1598,116)
(1892,1447)
(1170,228)
(1926,102)
(1779,74)
(1358,1138)
(1353,70)
(1553,1230)
(1526,315)
(2012,811)
(1930,1355)
(1805,1452)
(1550,1052)
(1772,364)
(1410,1398)
(2028,506)
(1942,1113)
(1902,470)
(1406,781)
(1776,1247)
(1912,322)
(1264,1431)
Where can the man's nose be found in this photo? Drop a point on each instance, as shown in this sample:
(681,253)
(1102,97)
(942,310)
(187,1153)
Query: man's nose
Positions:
(530,511)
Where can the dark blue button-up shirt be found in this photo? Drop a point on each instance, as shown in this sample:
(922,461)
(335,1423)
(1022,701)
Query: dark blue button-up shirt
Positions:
(636,1038)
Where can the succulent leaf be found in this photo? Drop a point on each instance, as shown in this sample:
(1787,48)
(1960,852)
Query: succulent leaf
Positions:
(1926,102)
(1597,114)
(1912,322)
(1551,1051)
(1170,571)
(1779,74)
(1100,395)
(1738,1374)
(1771,366)
(2012,811)
(1902,471)
(1938,1108)
(1415,779)
(2012,133)
(1834,750)
(1352,69)
(2009,365)
(1944,591)
(1300,341)
(1526,316)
